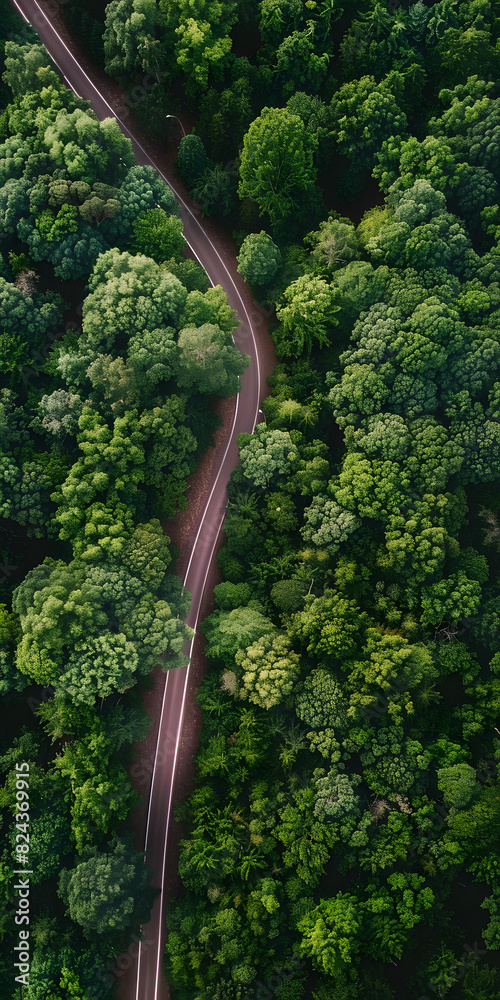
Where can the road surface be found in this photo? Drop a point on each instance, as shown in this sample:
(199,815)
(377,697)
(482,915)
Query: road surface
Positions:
(150,982)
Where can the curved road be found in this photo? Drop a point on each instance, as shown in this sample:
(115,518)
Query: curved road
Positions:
(150,980)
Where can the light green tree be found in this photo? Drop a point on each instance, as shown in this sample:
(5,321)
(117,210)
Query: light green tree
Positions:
(27,68)
(326,524)
(238,629)
(209,307)
(129,295)
(259,258)
(97,668)
(307,315)
(276,162)
(458,784)
(266,454)
(208,361)
(450,600)
(158,235)
(269,669)
(331,932)
(335,796)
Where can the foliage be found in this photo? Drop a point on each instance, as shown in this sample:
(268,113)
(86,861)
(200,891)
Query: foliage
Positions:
(108,891)
(158,235)
(276,144)
(209,360)
(259,258)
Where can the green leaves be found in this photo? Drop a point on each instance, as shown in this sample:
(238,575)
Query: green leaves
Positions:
(209,361)
(259,258)
(158,235)
(276,162)
(129,23)
(98,667)
(330,932)
(363,115)
(268,670)
(266,454)
(88,625)
(307,315)
(129,295)
(109,891)
(458,784)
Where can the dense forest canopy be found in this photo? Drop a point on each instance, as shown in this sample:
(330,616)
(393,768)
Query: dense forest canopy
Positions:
(342,837)
(341,841)
(112,347)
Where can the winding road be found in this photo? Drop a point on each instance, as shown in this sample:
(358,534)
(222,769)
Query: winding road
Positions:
(147,981)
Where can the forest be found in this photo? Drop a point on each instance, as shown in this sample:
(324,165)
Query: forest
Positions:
(113,346)
(341,840)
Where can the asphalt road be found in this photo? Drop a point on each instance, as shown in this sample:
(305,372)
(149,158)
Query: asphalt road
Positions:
(150,983)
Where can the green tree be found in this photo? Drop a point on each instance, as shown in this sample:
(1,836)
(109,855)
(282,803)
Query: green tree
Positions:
(276,162)
(27,68)
(129,25)
(192,159)
(334,245)
(90,150)
(331,932)
(335,796)
(269,669)
(102,533)
(202,43)
(331,626)
(458,784)
(60,412)
(237,629)
(209,307)
(326,524)
(151,355)
(266,454)
(450,600)
(129,295)
(214,191)
(98,667)
(308,314)
(142,189)
(158,235)
(277,17)
(109,891)
(209,361)
(389,668)
(298,66)
(259,258)
(158,633)
(146,553)
(365,113)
